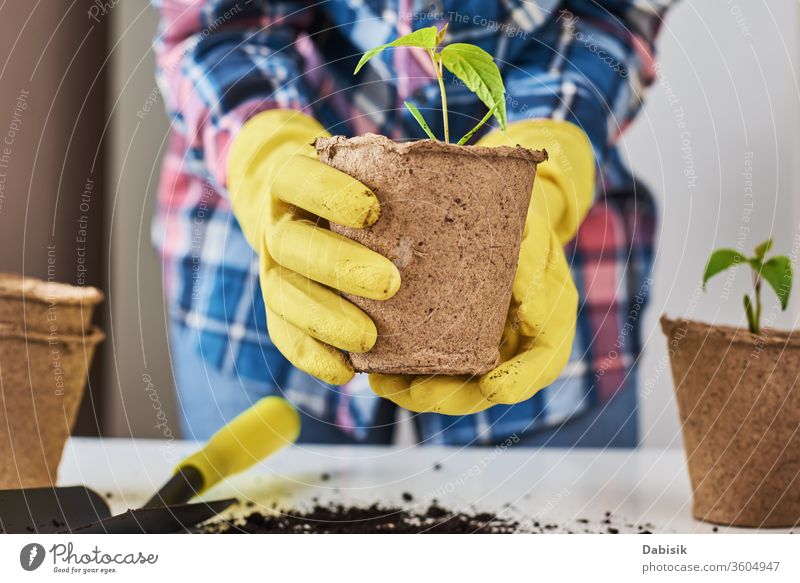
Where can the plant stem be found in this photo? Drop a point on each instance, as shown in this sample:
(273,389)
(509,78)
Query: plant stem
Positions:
(755,307)
(437,64)
(758,304)
(444,111)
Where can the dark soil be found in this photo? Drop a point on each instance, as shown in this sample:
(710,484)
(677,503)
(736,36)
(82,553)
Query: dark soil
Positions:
(375,519)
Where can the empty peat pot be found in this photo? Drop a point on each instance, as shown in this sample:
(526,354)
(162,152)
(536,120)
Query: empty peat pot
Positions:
(36,305)
(452,219)
(46,348)
(739,406)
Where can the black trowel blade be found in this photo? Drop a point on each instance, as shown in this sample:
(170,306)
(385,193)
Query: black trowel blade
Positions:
(156,519)
(46,510)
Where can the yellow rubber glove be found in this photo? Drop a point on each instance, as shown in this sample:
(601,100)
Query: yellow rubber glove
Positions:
(283,197)
(540,328)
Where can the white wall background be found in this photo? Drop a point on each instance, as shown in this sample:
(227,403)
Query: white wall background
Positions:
(728,67)
(138,328)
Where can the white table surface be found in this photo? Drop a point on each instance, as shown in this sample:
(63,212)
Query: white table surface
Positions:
(551,486)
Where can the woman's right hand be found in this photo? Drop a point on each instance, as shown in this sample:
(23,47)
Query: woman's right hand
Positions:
(282,197)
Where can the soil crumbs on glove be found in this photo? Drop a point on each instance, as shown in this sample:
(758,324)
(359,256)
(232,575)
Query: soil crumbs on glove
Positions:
(375,519)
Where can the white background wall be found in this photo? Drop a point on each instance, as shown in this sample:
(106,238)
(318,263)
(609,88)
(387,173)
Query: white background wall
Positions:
(730,67)
(138,327)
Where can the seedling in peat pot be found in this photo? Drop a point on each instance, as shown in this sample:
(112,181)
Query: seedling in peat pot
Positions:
(776,271)
(472,65)
(438,322)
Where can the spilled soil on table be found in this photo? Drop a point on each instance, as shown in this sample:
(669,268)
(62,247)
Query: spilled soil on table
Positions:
(377,519)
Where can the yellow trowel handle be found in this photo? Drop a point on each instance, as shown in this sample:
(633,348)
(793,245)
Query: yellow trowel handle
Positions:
(266,427)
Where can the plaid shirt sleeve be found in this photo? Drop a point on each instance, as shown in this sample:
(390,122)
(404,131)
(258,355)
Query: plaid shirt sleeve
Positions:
(591,66)
(218,63)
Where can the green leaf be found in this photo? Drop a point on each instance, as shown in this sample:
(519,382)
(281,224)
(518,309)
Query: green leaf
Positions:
(424,38)
(720,260)
(478,126)
(751,316)
(440,34)
(477,69)
(420,120)
(763,249)
(777,272)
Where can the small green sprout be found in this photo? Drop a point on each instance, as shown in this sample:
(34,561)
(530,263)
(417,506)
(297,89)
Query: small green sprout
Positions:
(776,271)
(472,65)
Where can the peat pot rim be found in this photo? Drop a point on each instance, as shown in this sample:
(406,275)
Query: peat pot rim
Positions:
(31,289)
(430,147)
(732,335)
(91,337)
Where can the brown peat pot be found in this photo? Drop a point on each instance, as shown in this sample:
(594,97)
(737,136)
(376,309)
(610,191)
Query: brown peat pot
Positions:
(452,218)
(46,348)
(739,406)
(41,306)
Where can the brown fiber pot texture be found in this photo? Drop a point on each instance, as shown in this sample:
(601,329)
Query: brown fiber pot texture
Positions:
(46,348)
(739,406)
(36,305)
(451,220)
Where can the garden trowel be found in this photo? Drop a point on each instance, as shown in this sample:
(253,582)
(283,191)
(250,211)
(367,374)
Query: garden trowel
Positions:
(266,427)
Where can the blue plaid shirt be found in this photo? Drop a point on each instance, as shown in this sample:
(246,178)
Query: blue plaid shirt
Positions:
(222,61)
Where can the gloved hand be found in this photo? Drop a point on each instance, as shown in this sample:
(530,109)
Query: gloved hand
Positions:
(540,328)
(283,197)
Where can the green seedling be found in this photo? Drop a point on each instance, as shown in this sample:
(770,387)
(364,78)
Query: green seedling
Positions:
(470,64)
(776,271)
